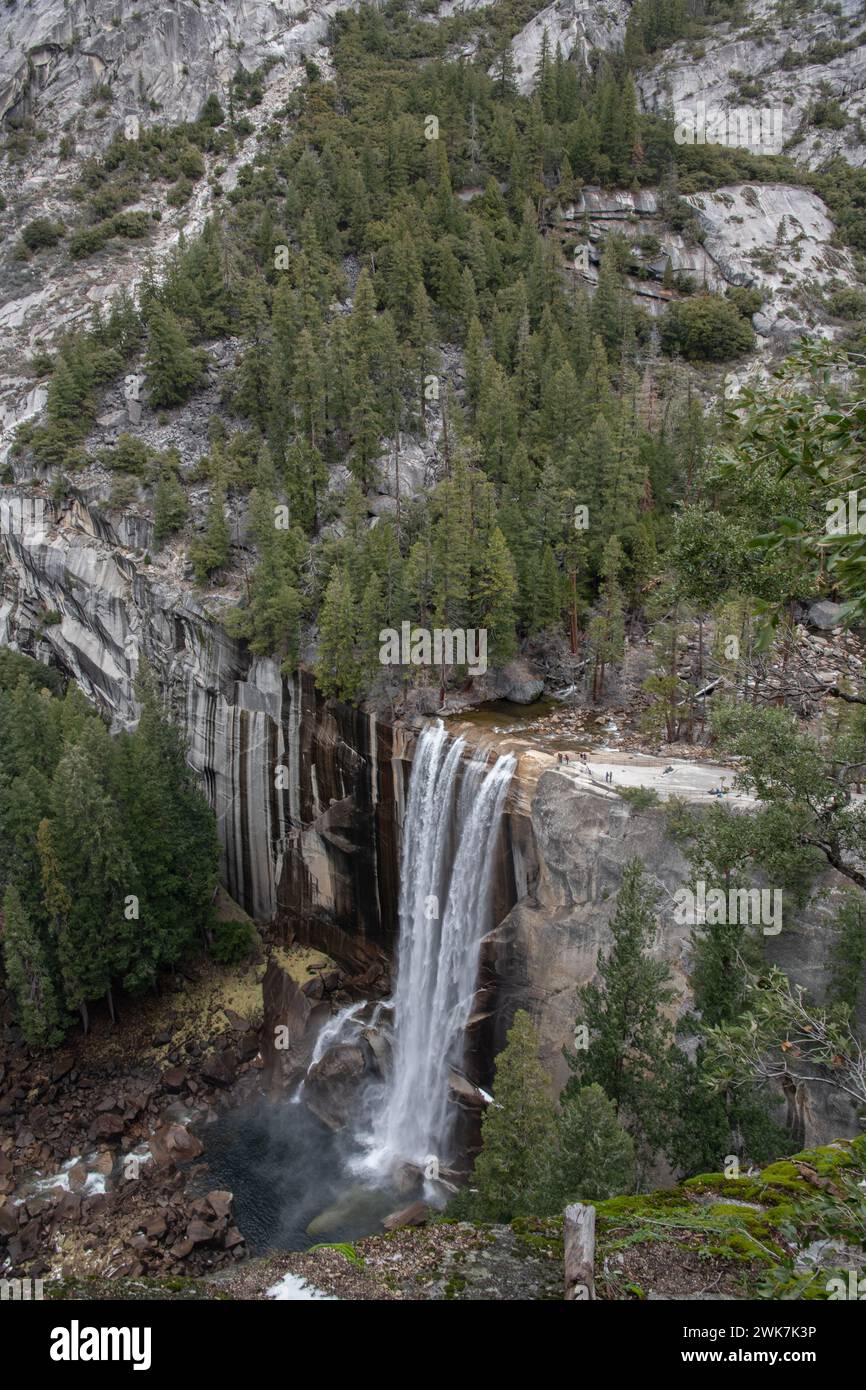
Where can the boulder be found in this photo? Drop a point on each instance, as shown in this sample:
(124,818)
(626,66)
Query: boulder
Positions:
(416,1214)
(380,1050)
(8,1220)
(108,1127)
(173,1143)
(220,1069)
(199,1232)
(174,1079)
(220,1203)
(825,615)
(519,684)
(332,1084)
(78,1175)
(61,1067)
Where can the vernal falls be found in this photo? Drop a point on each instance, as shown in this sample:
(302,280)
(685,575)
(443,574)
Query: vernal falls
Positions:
(452,821)
(294,1178)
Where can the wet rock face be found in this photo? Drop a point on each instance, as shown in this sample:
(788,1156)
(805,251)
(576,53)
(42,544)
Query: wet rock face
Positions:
(286,1016)
(331,1087)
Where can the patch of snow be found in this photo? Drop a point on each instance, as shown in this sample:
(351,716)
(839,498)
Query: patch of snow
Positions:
(293,1289)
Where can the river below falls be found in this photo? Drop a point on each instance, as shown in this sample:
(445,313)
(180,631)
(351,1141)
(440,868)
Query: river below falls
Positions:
(292,1178)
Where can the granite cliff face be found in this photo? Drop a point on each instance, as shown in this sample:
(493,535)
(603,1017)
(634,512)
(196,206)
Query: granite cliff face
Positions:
(304,794)
(546,947)
(165,57)
(774,54)
(159,64)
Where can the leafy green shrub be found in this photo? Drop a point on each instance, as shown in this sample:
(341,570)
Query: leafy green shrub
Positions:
(746,301)
(124,491)
(212,113)
(848,303)
(132,225)
(707,328)
(232,942)
(130,455)
(179,193)
(41,232)
(88,240)
(827,114)
(639,797)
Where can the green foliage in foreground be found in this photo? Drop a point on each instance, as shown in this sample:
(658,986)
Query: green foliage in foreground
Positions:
(533,1160)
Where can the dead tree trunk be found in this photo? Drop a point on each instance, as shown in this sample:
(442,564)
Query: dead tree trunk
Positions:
(579,1232)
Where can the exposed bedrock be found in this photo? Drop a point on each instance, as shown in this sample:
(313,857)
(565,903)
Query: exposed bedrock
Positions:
(548,944)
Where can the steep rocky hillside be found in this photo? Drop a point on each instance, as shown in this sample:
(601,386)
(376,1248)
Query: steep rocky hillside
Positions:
(73,76)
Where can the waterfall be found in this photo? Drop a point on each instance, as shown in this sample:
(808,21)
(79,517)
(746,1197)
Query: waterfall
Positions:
(449,836)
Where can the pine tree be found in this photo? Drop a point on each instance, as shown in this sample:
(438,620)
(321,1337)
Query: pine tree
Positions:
(594,1153)
(607,629)
(497,597)
(28,974)
(338,670)
(309,389)
(210,551)
(170,509)
(171,836)
(547,599)
(476,358)
(496,421)
(87,873)
(606,314)
(518,1132)
(425,357)
(174,369)
(629,1035)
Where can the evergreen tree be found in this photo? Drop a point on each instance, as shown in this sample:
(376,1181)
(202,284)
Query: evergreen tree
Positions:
(338,670)
(629,1036)
(594,1153)
(607,629)
(28,974)
(518,1131)
(210,550)
(170,507)
(174,369)
(171,836)
(498,595)
(87,873)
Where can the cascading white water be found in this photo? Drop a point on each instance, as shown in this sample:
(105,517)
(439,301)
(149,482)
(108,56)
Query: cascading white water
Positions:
(343,1026)
(449,835)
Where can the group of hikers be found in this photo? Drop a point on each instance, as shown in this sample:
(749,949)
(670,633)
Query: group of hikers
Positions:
(564,758)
